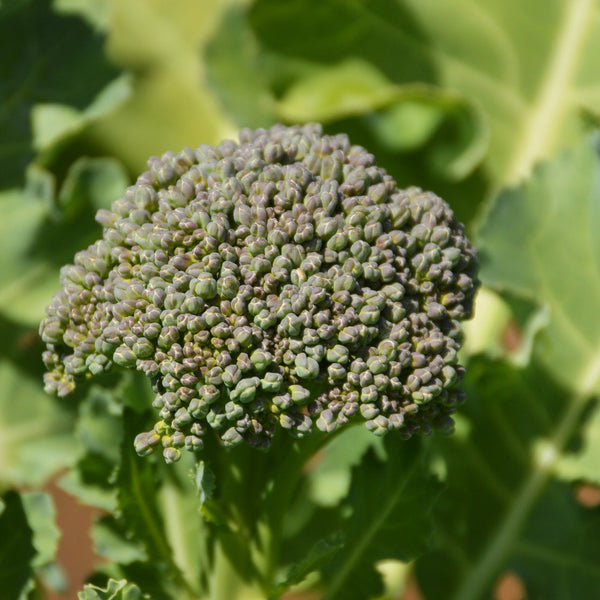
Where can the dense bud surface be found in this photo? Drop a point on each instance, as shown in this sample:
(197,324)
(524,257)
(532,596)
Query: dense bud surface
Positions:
(282,281)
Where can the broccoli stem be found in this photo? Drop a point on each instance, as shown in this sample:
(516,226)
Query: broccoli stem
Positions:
(227,584)
(256,491)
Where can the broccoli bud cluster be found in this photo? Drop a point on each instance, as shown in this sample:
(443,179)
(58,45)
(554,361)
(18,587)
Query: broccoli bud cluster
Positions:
(280,282)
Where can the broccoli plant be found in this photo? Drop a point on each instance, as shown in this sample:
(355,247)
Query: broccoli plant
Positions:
(277,293)
(245,358)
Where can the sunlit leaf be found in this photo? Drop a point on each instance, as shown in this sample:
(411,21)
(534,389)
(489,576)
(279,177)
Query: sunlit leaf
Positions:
(541,241)
(36,432)
(30,54)
(531,82)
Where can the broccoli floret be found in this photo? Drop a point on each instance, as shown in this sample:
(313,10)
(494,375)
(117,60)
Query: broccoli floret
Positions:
(280,282)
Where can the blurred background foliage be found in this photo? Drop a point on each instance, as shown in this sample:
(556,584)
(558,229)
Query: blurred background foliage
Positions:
(463,97)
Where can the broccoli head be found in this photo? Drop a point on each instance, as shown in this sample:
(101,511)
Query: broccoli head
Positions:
(280,282)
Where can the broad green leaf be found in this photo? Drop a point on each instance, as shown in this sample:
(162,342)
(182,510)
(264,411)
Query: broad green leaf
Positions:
(99,428)
(95,12)
(388,512)
(41,516)
(92,183)
(8,5)
(562,561)
(186,531)
(115,590)
(111,543)
(541,241)
(170,106)
(583,463)
(350,87)
(502,508)
(319,555)
(402,117)
(53,122)
(29,77)
(16,547)
(239,71)
(329,479)
(36,431)
(536,79)
(39,232)
(26,282)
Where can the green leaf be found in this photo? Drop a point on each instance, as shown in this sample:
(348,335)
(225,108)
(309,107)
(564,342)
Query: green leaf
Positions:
(389,516)
(16,547)
(348,88)
(563,561)
(41,516)
(29,51)
(110,542)
(99,428)
(236,70)
(170,106)
(402,118)
(36,437)
(52,123)
(482,50)
(502,495)
(582,463)
(329,480)
(541,241)
(115,590)
(92,182)
(26,282)
(36,239)
(320,555)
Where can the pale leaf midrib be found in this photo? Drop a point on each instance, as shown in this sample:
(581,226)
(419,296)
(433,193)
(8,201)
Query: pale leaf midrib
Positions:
(539,131)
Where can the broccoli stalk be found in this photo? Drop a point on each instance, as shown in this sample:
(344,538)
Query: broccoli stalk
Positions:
(272,289)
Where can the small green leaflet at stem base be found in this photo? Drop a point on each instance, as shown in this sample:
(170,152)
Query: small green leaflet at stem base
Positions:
(115,590)
(317,557)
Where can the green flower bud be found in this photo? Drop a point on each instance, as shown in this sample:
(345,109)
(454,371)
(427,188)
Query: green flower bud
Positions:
(326,421)
(171,455)
(377,364)
(379,425)
(369,394)
(231,438)
(261,360)
(124,357)
(306,367)
(205,286)
(299,395)
(338,354)
(245,390)
(143,348)
(336,371)
(283,402)
(271,382)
